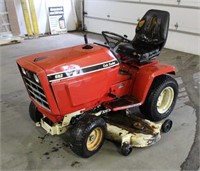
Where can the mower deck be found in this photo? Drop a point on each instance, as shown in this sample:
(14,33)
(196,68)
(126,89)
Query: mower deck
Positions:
(132,130)
(122,126)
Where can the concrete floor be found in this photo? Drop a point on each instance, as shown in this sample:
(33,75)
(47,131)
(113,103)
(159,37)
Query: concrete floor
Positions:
(25,147)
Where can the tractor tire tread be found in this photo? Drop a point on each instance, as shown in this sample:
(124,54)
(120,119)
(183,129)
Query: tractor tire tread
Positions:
(148,108)
(80,132)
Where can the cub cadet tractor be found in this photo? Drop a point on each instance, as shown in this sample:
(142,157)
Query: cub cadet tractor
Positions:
(88,90)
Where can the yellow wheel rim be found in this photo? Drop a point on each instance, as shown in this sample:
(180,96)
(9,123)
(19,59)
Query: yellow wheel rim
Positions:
(165,100)
(94,139)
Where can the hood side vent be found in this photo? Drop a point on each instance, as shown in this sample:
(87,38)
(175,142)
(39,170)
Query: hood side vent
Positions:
(40,58)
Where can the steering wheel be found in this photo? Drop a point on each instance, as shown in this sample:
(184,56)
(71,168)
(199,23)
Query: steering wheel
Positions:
(113,39)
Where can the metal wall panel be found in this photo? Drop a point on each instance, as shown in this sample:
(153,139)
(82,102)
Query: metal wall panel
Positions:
(122,17)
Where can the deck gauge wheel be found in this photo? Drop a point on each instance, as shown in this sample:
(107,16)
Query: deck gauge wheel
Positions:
(126,149)
(166,126)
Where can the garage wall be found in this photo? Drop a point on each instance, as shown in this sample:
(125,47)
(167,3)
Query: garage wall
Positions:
(4,23)
(121,16)
(41,7)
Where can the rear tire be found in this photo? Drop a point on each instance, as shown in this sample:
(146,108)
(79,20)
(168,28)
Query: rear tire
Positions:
(87,136)
(35,115)
(161,98)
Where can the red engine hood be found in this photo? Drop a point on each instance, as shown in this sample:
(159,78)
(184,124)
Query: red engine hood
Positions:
(71,58)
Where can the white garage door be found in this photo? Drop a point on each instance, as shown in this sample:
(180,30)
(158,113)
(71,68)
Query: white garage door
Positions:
(121,16)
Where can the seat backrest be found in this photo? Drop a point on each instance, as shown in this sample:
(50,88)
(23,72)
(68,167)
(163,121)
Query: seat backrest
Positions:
(153,28)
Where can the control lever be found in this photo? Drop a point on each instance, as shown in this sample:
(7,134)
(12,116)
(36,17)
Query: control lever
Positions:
(85,39)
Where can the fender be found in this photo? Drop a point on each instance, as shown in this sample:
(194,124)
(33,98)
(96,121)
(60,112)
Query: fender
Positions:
(145,76)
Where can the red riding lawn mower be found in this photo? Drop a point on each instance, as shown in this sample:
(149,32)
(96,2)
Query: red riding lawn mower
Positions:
(89,90)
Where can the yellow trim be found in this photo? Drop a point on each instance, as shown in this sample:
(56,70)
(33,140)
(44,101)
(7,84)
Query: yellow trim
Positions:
(56,129)
(141,23)
(26,17)
(33,17)
(94,139)
(165,100)
(136,139)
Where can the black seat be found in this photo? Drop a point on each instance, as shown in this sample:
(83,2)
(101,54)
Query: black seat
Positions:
(150,38)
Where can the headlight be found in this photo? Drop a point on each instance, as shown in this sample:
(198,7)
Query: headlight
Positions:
(36,78)
(23,71)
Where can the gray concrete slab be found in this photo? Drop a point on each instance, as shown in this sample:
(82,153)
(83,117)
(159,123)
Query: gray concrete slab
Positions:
(25,147)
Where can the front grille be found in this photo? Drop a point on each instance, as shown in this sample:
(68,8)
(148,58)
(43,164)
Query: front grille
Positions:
(36,92)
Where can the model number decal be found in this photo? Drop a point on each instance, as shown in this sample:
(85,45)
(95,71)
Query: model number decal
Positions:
(58,76)
(75,70)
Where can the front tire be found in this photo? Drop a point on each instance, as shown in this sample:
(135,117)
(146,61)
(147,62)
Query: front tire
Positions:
(34,113)
(161,98)
(87,136)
